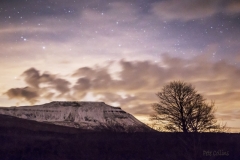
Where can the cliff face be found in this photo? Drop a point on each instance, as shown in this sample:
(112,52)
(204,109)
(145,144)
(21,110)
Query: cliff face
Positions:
(85,115)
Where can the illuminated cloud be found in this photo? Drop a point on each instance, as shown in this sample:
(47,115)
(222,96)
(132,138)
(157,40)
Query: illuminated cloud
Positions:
(138,83)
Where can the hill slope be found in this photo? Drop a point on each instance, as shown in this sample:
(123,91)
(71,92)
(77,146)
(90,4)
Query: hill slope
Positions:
(93,116)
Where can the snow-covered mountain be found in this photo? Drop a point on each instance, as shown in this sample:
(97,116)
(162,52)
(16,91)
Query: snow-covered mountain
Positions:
(85,115)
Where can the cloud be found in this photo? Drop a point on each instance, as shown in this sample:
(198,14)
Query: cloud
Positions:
(32,77)
(60,85)
(81,87)
(187,10)
(233,7)
(138,82)
(43,85)
(27,93)
(98,77)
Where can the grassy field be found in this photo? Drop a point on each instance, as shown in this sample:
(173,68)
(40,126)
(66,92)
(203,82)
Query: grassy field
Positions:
(22,139)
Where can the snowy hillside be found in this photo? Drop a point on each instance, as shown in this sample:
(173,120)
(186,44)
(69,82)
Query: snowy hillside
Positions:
(85,115)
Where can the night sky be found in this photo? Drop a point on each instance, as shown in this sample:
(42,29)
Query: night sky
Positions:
(120,52)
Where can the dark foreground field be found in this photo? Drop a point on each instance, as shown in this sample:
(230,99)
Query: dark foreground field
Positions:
(21,139)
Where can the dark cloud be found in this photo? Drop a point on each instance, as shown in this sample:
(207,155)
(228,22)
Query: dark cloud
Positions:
(81,87)
(138,82)
(32,77)
(27,93)
(43,84)
(98,77)
(60,85)
(233,7)
(85,71)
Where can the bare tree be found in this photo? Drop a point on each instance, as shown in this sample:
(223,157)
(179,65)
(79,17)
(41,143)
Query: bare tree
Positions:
(182,109)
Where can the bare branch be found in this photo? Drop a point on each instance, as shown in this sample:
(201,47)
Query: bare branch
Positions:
(184,110)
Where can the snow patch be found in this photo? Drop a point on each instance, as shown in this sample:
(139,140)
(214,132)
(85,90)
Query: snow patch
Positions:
(85,115)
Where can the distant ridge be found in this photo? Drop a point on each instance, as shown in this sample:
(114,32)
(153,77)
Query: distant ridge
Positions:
(94,116)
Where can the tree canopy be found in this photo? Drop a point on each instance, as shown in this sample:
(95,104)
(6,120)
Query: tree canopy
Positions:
(182,109)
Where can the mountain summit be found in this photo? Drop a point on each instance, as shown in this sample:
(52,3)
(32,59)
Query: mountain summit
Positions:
(95,116)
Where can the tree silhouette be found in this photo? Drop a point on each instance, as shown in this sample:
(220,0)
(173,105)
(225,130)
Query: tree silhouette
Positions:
(182,109)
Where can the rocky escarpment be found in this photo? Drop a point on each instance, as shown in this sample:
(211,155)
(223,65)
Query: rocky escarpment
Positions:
(85,115)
